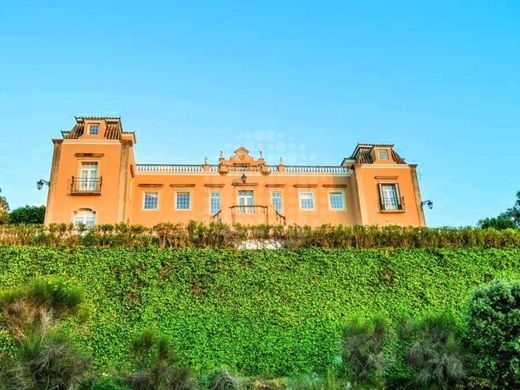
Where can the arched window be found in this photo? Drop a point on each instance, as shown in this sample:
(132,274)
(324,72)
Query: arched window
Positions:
(85,217)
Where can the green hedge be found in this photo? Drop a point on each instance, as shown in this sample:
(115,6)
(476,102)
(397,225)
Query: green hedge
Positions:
(274,312)
(219,235)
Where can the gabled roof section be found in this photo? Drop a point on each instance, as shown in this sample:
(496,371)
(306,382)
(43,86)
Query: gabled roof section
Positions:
(363,153)
(113,131)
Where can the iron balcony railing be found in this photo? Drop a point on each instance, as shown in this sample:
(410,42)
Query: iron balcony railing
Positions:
(217,217)
(392,204)
(80,185)
(280,218)
(255,209)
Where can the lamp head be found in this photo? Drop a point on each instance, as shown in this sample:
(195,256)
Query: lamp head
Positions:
(243,178)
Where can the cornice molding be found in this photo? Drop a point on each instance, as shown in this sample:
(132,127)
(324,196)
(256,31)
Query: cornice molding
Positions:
(99,155)
(334,186)
(150,185)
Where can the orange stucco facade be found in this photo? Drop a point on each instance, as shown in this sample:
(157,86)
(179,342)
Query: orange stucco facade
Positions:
(96,180)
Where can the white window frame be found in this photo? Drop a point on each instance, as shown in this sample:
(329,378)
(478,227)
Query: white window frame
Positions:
(313,200)
(189,199)
(90,128)
(397,194)
(281,199)
(246,208)
(385,152)
(88,177)
(211,212)
(343,198)
(77,214)
(144,200)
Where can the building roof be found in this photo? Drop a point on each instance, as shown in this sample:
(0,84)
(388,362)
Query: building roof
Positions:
(114,127)
(363,153)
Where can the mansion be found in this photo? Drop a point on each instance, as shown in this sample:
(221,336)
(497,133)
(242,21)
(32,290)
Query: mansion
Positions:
(96,180)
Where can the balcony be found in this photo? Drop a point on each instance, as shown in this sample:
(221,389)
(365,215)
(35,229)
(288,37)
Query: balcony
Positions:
(81,186)
(392,206)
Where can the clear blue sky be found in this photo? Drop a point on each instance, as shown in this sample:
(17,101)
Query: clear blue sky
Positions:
(303,80)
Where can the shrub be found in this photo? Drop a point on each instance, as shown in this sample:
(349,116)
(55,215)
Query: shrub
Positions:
(493,333)
(49,361)
(223,380)
(219,235)
(433,350)
(362,350)
(156,365)
(45,357)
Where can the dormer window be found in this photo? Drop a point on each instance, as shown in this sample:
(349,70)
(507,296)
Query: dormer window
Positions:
(93,129)
(383,154)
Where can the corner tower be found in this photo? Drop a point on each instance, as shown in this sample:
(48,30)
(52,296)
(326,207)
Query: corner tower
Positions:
(91,173)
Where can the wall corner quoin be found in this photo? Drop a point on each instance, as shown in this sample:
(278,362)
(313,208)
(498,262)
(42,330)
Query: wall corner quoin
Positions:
(417,194)
(56,155)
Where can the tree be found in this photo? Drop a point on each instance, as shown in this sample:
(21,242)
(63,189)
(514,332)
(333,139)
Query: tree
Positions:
(493,333)
(27,215)
(4,209)
(509,219)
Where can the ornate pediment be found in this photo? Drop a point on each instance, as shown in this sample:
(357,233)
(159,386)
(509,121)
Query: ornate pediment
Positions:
(242,161)
(241,156)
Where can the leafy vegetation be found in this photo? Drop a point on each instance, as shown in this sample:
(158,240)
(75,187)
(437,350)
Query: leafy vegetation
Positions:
(29,215)
(218,235)
(493,333)
(249,311)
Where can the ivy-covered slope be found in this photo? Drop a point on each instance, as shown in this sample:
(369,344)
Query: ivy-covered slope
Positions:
(274,312)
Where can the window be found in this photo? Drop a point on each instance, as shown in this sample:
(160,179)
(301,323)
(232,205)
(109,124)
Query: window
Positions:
(214,202)
(88,176)
(151,200)
(306,200)
(85,218)
(383,154)
(390,199)
(246,202)
(182,201)
(337,200)
(93,129)
(276,200)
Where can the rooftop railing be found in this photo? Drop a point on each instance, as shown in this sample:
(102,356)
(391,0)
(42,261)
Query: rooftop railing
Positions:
(180,168)
(315,169)
(169,168)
